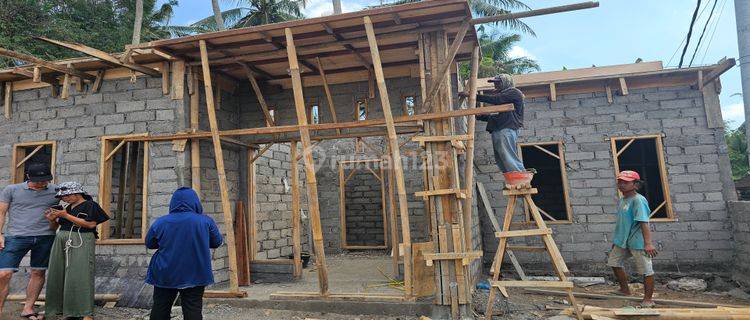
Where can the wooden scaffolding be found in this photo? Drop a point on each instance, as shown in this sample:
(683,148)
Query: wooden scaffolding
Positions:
(424,39)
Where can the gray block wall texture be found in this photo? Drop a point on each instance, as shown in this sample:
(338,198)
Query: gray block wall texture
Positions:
(740,213)
(364,207)
(694,156)
(76,124)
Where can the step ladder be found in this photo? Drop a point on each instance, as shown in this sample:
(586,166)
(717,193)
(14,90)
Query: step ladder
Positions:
(525,191)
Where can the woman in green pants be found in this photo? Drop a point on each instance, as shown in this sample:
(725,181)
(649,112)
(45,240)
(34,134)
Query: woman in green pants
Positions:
(70,278)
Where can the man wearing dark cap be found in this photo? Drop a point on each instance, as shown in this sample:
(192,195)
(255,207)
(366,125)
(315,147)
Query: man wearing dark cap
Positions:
(504,126)
(27,230)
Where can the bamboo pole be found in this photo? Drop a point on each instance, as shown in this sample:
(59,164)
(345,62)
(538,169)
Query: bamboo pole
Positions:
(395,153)
(195,144)
(219,158)
(469,163)
(133,152)
(327,90)
(311,181)
(296,215)
(120,213)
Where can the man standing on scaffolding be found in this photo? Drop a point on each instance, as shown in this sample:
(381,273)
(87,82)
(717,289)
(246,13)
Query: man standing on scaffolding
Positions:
(504,126)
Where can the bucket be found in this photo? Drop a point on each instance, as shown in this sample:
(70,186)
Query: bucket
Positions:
(518,177)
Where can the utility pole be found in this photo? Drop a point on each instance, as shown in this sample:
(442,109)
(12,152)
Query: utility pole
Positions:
(337,6)
(742,13)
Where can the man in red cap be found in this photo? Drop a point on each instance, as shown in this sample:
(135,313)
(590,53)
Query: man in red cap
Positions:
(632,237)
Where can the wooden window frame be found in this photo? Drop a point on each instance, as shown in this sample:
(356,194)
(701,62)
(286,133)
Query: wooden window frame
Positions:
(310,105)
(563,173)
(403,103)
(356,109)
(19,157)
(662,171)
(342,201)
(108,145)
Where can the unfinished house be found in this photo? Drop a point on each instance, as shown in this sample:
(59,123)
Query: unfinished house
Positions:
(310,138)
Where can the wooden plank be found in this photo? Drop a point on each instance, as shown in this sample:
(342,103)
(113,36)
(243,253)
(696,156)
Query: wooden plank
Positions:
(17,174)
(538,12)
(132,180)
(97,82)
(552,92)
(8,99)
(383,205)
(105,184)
(240,229)
(219,159)
(106,57)
(117,148)
(392,223)
(217,294)
(307,296)
(468,202)
(460,265)
(311,181)
(441,192)
(252,208)
(487,206)
(31,154)
(296,214)
(686,303)
(608,90)
(464,256)
(663,176)
(178,80)
(522,233)
(165,78)
(451,138)
(144,190)
(342,203)
(623,86)
(195,156)
(327,90)
(65,91)
(498,261)
(712,106)
(723,65)
(121,185)
(42,63)
(395,155)
(532,284)
(557,259)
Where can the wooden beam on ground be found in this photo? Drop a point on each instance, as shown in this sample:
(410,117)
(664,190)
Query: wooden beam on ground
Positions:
(296,214)
(327,91)
(395,155)
(224,294)
(219,158)
(311,182)
(696,304)
(43,63)
(307,296)
(538,12)
(106,57)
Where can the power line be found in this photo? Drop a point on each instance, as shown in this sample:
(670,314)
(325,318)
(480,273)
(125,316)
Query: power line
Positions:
(700,39)
(690,33)
(684,38)
(713,33)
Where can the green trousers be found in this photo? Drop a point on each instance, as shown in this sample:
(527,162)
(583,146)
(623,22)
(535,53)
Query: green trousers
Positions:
(70,278)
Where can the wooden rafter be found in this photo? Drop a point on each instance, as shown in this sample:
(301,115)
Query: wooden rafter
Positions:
(259,94)
(43,63)
(106,57)
(348,46)
(327,90)
(280,46)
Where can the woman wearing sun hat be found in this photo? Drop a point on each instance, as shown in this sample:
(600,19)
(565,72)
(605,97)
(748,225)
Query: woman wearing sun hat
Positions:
(70,279)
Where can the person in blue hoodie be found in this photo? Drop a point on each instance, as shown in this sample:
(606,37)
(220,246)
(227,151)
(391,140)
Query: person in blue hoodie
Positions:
(182,262)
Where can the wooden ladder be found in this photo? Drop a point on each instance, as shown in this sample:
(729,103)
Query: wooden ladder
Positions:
(524,192)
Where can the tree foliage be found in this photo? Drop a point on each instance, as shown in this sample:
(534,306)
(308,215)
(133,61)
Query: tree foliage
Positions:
(247,13)
(737,143)
(103,24)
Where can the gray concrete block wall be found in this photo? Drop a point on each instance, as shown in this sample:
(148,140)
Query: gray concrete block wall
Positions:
(76,124)
(364,207)
(702,232)
(740,214)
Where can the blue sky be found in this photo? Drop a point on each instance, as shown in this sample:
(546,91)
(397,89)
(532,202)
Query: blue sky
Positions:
(617,32)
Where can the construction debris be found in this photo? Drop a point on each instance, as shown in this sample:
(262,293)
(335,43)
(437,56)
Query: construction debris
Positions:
(591,312)
(688,284)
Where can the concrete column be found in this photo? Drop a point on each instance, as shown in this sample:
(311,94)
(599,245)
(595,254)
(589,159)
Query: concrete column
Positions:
(742,13)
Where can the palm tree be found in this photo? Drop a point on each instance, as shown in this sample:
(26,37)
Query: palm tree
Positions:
(217,14)
(485,8)
(248,13)
(496,56)
(138,22)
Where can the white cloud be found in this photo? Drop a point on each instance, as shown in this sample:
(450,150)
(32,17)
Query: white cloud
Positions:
(518,52)
(319,8)
(735,113)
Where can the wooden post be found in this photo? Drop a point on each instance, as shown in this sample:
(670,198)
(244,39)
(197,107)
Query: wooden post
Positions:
(144,194)
(165,78)
(296,215)
(120,213)
(395,153)
(259,95)
(195,144)
(133,153)
(311,182)
(469,164)
(178,80)
(394,227)
(8,99)
(240,228)
(252,202)
(219,158)
(437,81)
(342,205)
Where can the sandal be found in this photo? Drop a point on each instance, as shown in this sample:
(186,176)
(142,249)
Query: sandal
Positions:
(646,305)
(33,316)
